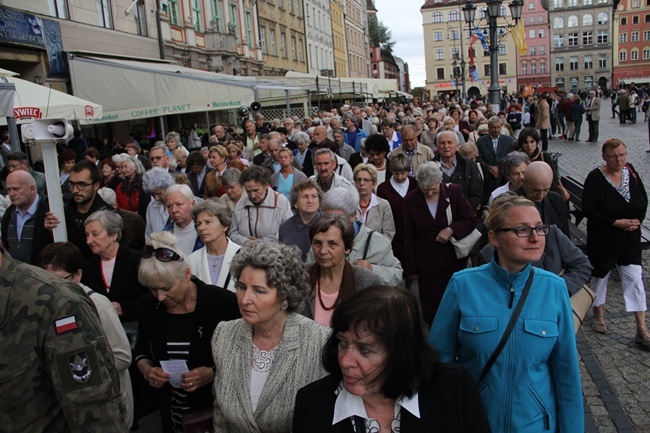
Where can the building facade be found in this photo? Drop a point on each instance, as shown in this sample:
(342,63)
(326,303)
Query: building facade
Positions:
(383,64)
(357,40)
(282,36)
(337,8)
(534,66)
(447,38)
(581,44)
(320,42)
(632,45)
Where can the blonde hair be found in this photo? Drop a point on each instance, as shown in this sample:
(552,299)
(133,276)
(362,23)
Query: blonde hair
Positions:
(372,171)
(153,273)
(501,207)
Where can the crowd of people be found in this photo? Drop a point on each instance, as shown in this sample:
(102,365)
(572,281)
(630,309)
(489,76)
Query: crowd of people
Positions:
(279,278)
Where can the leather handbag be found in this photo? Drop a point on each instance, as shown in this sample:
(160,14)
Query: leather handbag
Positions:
(198,421)
(581,302)
(465,245)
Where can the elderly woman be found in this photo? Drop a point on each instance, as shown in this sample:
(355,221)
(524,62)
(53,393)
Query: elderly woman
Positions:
(284,180)
(263,359)
(235,154)
(384,376)
(64,259)
(533,384)
(176,325)
(181,160)
(427,231)
(305,200)
(615,202)
(428,137)
(480,129)
(333,279)
(213,183)
(155,182)
(373,211)
(212,262)
(113,270)
(130,192)
(174,142)
(133,150)
(528,142)
(450,123)
(513,167)
(179,201)
(234,191)
(110,179)
(377,149)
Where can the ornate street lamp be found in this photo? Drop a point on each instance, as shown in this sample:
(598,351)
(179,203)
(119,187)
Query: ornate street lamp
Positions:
(208,62)
(185,55)
(493,14)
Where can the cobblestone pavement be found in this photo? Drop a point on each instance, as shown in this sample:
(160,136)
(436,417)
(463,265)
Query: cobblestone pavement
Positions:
(615,371)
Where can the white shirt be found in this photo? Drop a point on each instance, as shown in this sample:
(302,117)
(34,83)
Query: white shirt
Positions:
(186,238)
(364,216)
(401,188)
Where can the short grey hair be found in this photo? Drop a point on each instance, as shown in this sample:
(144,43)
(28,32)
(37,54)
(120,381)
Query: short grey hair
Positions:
(513,159)
(301,137)
(429,174)
(230,175)
(399,162)
(494,119)
(110,220)
(283,267)
(326,151)
(215,209)
(153,273)
(183,189)
(342,200)
(159,147)
(156,179)
(108,195)
(351,116)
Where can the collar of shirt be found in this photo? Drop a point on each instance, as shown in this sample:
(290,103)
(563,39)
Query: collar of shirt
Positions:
(348,405)
(30,211)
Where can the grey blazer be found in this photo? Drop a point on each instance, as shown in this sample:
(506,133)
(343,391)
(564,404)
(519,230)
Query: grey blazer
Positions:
(380,219)
(297,363)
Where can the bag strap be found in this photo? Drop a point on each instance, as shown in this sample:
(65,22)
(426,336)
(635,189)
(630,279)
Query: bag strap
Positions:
(636,179)
(367,247)
(511,325)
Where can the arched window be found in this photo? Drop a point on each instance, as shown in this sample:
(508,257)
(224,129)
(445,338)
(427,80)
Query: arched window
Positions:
(453,15)
(558,23)
(587,20)
(436,17)
(572,21)
(524,69)
(603,18)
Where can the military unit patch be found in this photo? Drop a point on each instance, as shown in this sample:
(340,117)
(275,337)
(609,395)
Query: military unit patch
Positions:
(65,324)
(79,367)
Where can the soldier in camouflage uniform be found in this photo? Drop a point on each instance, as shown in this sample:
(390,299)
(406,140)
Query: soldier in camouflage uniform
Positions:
(57,372)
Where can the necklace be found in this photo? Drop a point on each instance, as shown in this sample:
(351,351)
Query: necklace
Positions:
(364,207)
(383,166)
(320,299)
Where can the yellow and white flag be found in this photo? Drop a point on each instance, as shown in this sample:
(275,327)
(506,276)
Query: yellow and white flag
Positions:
(518,36)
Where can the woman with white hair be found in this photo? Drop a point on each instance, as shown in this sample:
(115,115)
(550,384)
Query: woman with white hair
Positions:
(174,142)
(179,201)
(427,231)
(155,182)
(129,192)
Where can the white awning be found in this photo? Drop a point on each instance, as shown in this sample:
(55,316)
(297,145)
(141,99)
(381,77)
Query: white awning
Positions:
(135,90)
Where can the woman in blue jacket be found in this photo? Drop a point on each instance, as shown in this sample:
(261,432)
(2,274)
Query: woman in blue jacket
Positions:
(534,384)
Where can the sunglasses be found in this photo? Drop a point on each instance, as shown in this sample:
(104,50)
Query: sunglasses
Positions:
(162,254)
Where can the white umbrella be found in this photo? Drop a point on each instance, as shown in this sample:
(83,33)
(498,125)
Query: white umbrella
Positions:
(33,101)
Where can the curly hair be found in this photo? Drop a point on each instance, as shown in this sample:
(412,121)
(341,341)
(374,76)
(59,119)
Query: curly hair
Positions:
(283,267)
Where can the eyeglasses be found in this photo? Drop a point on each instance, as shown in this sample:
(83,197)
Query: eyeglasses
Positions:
(79,185)
(616,156)
(162,254)
(524,231)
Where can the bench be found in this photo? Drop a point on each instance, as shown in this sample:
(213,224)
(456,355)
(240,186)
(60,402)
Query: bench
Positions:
(578,236)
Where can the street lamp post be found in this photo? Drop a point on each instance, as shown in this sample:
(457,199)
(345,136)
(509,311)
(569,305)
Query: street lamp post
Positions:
(493,14)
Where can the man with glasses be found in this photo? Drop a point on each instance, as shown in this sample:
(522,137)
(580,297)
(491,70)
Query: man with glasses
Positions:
(158,157)
(23,233)
(537,188)
(85,179)
(289,126)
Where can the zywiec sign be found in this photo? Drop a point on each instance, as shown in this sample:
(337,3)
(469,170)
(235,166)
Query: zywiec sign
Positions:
(27,113)
(89,111)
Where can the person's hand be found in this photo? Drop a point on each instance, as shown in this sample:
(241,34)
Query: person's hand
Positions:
(197,378)
(444,235)
(156,377)
(494,171)
(628,225)
(50,221)
(363,263)
(118,308)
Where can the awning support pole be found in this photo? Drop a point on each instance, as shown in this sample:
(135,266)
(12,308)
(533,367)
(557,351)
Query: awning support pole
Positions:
(162,127)
(288,104)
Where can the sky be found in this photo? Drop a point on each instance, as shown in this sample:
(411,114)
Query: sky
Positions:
(403,18)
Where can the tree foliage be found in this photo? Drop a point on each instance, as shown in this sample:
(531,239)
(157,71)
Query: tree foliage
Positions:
(380,35)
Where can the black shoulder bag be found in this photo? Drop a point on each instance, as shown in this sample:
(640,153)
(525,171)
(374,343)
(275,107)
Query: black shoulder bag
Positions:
(511,325)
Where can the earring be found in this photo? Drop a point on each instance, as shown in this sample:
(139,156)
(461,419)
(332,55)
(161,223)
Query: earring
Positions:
(284,305)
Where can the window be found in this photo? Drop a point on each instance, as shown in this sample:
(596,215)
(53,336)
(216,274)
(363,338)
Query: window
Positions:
(531,6)
(58,8)
(574,83)
(436,17)
(558,23)
(524,69)
(455,52)
(263,39)
(272,41)
(635,36)
(647,18)
(197,15)
(572,21)
(587,2)
(104,12)
(503,69)
(603,18)
(503,12)
(559,82)
(283,45)
(573,63)
(542,50)
(635,19)
(453,15)
(531,34)
(589,82)
(533,50)
(486,70)
(455,35)
(646,54)
(558,4)
(291,7)
(437,36)
(140,15)
(573,39)
(646,35)
(502,49)
(589,62)
(559,64)
(234,25)
(294,53)
(635,3)
(531,20)
(603,36)
(440,54)
(587,38)
(602,61)
(623,21)
(634,54)
(623,37)
(301,57)
(572,3)
(541,33)
(440,73)
(587,20)
(217,14)
(540,19)
(558,40)
(533,68)
(249,29)
(542,68)
(622,55)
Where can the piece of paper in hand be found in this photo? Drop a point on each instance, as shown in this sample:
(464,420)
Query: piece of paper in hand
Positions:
(175,368)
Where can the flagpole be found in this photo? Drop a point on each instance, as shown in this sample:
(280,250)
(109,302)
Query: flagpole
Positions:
(462,53)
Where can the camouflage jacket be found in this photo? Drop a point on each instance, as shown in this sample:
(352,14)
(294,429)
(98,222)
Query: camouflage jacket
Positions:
(57,372)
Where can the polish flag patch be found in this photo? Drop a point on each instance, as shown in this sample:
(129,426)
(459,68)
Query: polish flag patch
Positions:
(66,324)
